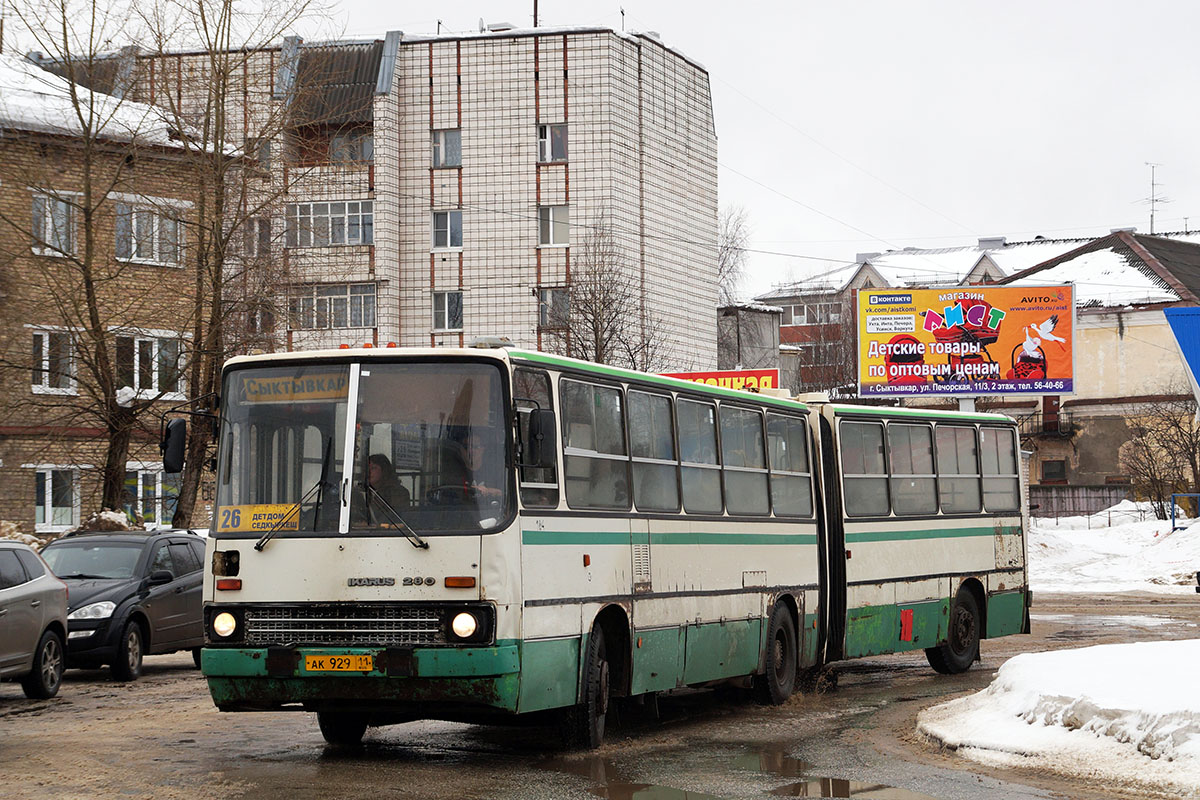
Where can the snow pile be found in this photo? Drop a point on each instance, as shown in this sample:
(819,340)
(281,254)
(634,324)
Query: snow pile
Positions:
(1113,551)
(12,532)
(1126,714)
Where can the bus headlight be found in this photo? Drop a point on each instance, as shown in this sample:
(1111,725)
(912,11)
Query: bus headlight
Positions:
(464,625)
(224,624)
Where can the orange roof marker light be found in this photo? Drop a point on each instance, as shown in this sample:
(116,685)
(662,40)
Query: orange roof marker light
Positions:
(367,344)
(343,347)
(392,344)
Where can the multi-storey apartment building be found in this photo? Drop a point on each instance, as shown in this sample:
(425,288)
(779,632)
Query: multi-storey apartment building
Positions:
(429,190)
(95,298)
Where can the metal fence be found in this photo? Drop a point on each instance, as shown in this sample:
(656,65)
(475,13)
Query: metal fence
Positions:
(1053,502)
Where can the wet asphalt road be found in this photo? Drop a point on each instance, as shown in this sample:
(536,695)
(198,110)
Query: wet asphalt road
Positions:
(161,737)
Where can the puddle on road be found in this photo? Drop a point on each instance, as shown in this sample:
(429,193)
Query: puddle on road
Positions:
(1079,627)
(611,783)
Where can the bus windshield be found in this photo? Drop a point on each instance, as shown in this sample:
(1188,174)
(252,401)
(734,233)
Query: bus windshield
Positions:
(428,442)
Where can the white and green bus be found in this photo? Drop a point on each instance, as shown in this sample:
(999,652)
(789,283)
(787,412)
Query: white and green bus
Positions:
(551,534)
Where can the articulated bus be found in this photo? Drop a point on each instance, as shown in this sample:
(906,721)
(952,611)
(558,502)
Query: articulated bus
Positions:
(482,533)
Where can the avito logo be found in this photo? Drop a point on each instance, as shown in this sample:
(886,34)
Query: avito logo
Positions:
(889,299)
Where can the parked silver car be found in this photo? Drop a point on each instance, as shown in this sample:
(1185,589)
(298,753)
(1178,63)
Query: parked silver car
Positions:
(33,619)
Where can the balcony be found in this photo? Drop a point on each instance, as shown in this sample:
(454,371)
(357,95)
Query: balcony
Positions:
(1039,424)
(343,180)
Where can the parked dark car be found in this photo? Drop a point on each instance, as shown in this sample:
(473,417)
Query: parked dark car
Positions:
(33,621)
(132,594)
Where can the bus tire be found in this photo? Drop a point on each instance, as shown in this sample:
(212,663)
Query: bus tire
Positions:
(962,641)
(342,728)
(778,680)
(583,724)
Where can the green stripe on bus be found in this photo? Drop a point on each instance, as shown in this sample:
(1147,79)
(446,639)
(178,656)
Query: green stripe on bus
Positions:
(622,538)
(934,533)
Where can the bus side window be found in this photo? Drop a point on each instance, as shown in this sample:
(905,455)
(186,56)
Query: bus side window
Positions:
(595,461)
(652,444)
(791,482)
(958,469)
(910,450)
(743,461)
(531,389)
(863,469)
(1001,482)
(698,453)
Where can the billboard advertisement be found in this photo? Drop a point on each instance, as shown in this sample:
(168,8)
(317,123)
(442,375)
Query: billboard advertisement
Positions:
(751,380)
(966,341)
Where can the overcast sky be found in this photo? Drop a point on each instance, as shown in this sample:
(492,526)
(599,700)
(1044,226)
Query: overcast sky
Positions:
(846,127)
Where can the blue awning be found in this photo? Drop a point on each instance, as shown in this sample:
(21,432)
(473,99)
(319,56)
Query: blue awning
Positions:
(1185,325)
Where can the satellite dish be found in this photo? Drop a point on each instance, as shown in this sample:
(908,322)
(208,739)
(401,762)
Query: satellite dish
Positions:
(482,27)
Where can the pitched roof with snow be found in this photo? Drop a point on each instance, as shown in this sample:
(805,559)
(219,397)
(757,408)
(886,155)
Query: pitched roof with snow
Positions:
(32,99)
(1122,269)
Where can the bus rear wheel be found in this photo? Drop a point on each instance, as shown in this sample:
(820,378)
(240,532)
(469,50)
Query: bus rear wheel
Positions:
(778,680)
(583,724)
(341,728)
(962,641)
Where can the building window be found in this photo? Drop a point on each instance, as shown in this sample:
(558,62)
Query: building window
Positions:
(347,148)
(812,314)
(256,238)
(554,306)
(147,235)
(819,354)
(56,499)
(324,224)
(151,494)
(53,364)
(447,148)
(447,229)
(53,226)
(447,311)
(150,365)
(552,142)
(554,225)
(338,305)
(1054,471)
(260,150)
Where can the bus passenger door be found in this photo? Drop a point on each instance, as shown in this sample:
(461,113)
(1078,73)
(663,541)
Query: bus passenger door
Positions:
(831,547)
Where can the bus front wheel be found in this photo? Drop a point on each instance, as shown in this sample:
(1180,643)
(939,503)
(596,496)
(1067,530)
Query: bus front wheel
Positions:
(962,641)
(583,724)
(778,680)
(342,729)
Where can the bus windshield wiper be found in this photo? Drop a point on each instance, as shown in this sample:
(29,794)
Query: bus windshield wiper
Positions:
(317,489)
(404,527)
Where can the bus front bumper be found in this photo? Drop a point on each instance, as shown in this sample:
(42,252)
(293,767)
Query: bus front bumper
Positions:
(275,678)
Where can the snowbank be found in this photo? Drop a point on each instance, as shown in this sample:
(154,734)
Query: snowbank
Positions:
(1125,714)
(1121,549)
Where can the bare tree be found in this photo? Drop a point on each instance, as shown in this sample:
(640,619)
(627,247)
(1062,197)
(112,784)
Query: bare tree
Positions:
(1163,454)
(828,358)
(605,319)
(733,237)
(83,254)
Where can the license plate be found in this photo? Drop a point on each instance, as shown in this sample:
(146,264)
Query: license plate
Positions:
(338,663)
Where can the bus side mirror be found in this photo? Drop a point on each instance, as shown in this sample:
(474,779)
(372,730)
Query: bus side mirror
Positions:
(543,446)
(173,444)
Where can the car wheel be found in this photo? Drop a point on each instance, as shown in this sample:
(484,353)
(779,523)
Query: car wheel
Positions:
(778,680)
(48,661)
(128,664)
(196,656)
(341,728)
(582,725)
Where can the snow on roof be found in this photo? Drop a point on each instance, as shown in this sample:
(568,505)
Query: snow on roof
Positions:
(752,306)
(32,99)
(1104,278)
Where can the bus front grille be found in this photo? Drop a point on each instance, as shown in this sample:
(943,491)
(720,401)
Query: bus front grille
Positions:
(343,626)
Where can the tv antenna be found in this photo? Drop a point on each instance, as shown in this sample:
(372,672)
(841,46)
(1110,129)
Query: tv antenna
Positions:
(1154,199)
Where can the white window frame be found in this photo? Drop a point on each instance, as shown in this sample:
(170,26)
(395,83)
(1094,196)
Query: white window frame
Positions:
(321,303)
(353,147)
(440,154)
(44,367)
(446,230)
(44,472)
(441,305)
(547,299)
(554,226)
(46,247)
(155,340)
(256,237)
(155,224)
(143,469)
(546,143)
(328,223)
